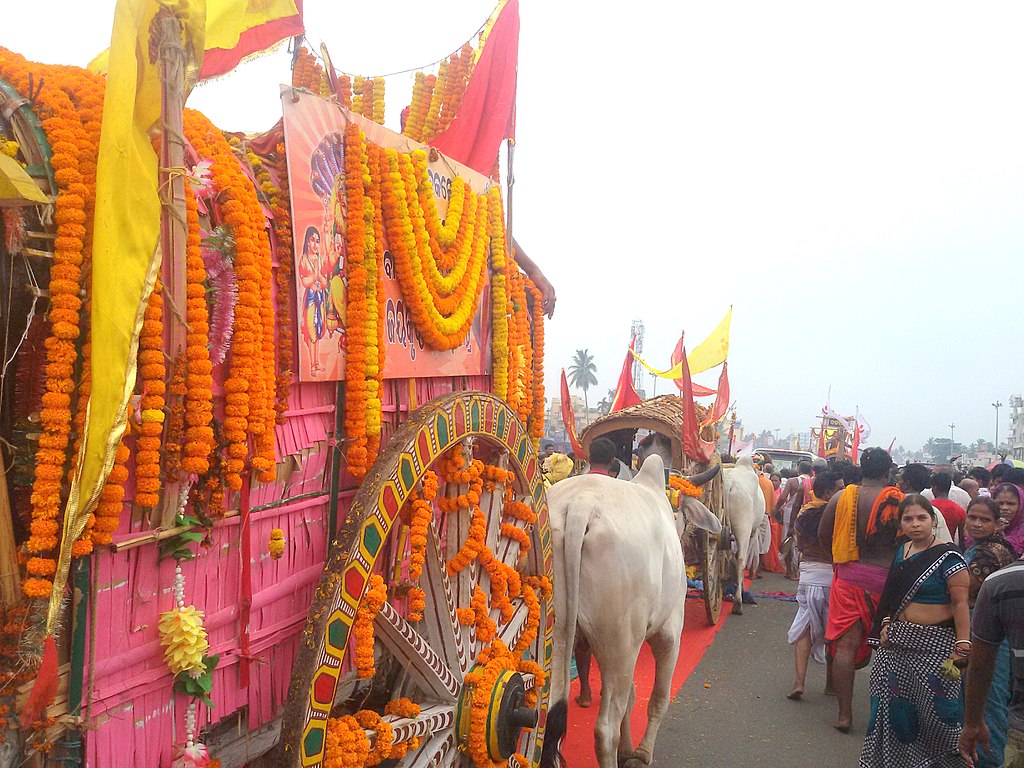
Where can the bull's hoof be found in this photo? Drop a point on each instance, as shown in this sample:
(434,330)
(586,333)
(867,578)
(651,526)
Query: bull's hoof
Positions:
(638,759)
(737,608)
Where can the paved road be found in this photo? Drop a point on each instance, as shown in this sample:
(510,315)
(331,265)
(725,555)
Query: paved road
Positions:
(744,718)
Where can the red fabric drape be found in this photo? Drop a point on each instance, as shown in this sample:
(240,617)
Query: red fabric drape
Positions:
(487,114)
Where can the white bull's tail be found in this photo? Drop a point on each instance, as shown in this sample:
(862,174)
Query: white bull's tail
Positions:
(567,594)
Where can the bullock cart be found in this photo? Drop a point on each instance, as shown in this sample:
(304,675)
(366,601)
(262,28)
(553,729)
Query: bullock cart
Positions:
(663,416)
(352,565)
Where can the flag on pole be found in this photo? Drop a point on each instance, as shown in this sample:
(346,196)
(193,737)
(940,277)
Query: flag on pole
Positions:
(625,394)
(714,350)
(487,114)
(693,446)
(722,401)
(237,29)
(569,419)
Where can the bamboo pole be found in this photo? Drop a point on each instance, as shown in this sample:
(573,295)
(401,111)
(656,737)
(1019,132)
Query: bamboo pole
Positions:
(173,221)
(10,580)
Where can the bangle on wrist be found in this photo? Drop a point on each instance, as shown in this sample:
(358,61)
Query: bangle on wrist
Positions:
(962,642)
(886,621)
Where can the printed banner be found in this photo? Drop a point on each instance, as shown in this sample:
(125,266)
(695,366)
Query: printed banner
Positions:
(314,130)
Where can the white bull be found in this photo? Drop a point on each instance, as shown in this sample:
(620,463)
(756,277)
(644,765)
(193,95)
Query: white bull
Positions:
(619,574)
(744,511)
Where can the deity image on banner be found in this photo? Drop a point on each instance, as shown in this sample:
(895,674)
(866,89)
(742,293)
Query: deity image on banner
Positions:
(321,267)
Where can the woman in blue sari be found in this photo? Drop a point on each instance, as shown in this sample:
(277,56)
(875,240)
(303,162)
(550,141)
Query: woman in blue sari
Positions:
(922,632)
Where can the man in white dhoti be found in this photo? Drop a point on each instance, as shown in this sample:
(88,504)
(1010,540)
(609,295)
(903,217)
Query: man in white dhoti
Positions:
(808,631)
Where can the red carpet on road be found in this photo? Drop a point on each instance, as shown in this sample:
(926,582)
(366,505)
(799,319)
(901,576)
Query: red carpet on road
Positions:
(578,746)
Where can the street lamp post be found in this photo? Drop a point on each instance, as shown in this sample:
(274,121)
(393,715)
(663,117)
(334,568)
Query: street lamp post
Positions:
(997,405)
(951,426)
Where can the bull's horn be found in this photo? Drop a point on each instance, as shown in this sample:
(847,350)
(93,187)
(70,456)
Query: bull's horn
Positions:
(703,477)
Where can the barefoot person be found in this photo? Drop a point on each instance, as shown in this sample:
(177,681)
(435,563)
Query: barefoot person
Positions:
(922,630)
(861,523)
(808,631)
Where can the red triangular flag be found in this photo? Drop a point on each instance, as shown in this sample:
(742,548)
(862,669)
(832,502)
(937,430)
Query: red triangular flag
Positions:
(695,448)
(569,419)
(722,401)
(625,395)
(487,114)
(674,360)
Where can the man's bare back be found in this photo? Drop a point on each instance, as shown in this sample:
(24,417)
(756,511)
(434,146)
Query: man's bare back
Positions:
(880,550)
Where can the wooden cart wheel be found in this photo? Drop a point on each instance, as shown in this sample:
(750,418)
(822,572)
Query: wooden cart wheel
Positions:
(426,660)
(712,576)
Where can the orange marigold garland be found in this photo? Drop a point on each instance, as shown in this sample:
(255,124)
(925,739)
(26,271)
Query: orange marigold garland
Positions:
(248,395)
(362,627)
(174,434)
(434,107)
(152,373)
(111,503)
(280,207)
(360,251)
(199,376)
(73,136)
(420,516)
(517,534)
(346,745)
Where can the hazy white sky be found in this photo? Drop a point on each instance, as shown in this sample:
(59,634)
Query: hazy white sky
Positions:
(849,176)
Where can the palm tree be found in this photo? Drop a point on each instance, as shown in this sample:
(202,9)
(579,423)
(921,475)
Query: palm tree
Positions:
(605,406)
(581,375)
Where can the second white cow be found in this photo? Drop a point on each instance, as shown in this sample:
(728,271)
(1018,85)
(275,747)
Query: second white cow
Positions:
(619,573)
(744,511)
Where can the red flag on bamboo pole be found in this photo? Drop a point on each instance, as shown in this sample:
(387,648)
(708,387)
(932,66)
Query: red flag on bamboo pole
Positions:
(722,401)
(695,448)
(487,114)
(569,419)
(625,395)
(675,359)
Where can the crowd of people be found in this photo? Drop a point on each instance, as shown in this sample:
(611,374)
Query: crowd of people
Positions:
(897,561)
(918,566)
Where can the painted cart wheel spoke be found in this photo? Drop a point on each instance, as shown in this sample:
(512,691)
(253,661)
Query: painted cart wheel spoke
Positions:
(417,547)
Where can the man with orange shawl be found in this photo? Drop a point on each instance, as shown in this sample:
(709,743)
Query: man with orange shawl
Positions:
(861,523)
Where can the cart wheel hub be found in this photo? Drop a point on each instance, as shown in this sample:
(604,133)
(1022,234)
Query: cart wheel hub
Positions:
(507,715)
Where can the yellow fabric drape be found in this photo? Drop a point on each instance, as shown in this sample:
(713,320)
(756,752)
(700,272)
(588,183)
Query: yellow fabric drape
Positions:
(125,259)
(714,350)
(844,536)
(226,20)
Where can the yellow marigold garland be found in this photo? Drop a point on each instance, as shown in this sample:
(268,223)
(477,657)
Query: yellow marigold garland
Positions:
(357,95)
(376,293)
(434,108)
(423,88)
(443,325)
(276,544)
(499,298)
(378,101)
(362,627)
(537,327)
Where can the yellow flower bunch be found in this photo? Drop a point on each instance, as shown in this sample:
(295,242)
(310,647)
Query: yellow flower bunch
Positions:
(9,148)
(184,637)
(276,546)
